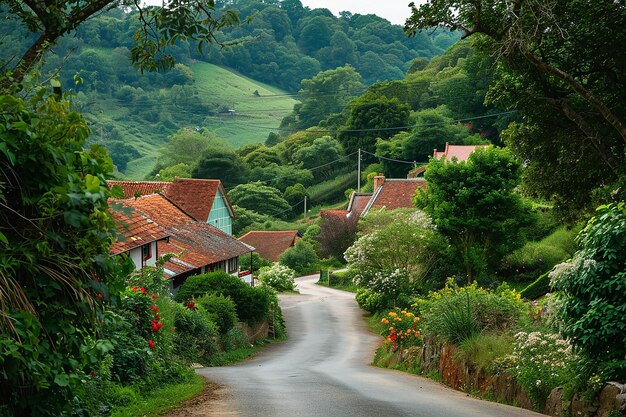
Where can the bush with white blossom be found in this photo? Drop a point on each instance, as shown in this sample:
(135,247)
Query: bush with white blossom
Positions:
(541,362)
(399,248)
(279,277)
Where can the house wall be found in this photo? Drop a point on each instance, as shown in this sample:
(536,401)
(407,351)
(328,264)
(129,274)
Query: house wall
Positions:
(219,215)
(135,256)
(153,255)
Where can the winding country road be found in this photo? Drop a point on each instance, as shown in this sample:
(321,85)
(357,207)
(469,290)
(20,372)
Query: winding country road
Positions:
(323,370)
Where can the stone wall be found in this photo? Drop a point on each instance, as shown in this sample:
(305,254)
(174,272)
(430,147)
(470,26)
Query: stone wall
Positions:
(434,356)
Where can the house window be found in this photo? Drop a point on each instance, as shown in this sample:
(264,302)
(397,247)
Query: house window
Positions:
(146,252)
(233,265)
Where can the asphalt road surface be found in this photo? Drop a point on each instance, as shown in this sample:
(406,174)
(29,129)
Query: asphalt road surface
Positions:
(323,370)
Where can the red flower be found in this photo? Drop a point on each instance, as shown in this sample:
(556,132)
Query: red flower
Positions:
(154,296)
(155,308)
(135,288)
(100,296)
(159,325)
(191,305)
(151,344)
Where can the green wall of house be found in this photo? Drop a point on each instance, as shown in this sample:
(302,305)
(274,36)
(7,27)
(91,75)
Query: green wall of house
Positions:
(219,215)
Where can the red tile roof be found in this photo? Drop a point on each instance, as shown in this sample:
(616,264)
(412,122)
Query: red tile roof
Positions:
(460,152)
(358,202)
(160,209)
(138,188)
(271,244)
(194,196)
(135,229)
(195,244)
(396,193)
(333,213)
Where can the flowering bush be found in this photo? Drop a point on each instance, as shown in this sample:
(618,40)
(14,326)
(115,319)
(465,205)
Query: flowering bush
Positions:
(402,329)
(541,362)
(399,248)
(279,277)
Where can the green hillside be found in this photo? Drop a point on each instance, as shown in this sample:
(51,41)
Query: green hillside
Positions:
(144,120)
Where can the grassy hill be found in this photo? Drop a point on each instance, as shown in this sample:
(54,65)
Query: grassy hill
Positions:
(241,111)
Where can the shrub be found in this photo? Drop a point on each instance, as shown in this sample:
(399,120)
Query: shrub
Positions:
(593,291)
(541,286)
(482,350)
(540,362)
(195,336)
(221,310)
(341,278)
(455,314)
(252,303)
(401,329)
(233,339)
(279,277)
(371,301)
(253,260)
(301,257)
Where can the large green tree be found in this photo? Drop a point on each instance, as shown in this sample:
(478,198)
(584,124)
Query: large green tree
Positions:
(475,204)
(222,164)
(560,64)
(260,198)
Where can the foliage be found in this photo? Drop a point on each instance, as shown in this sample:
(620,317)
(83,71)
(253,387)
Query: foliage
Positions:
(322,151)
(475,205)
(324,94)
(372,301)
(301,257)
(372,111)
(566,112)
(252,303)
(195,338)
(186,146)
(537,288)
(281,176)
(54,265)
(402,331)
(592,291)
(253,260)
(221,310)
(245,218)
(221,164)
(482,350)
(455,313)
(279,277)
(535,258)
(541,362)
(295,195)
(398,254)
(260,198)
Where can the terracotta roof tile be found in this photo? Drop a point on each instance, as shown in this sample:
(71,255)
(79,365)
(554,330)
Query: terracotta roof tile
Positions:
(138,188)
(460,152)
(159,209)
(397,193)
(271,244)
(135,229)
(194,196)
(358,202)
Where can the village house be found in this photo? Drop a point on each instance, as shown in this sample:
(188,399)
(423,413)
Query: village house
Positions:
(204,200)
(197,246)
(271,244)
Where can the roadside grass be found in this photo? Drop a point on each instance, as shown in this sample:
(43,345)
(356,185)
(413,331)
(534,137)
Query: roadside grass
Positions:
(162,400)
(242,353)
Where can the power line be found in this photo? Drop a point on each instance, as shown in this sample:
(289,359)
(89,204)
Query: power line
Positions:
(382,129)
(394,160)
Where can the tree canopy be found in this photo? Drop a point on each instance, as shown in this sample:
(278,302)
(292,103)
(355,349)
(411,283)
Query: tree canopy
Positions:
(560,64)
(475,205)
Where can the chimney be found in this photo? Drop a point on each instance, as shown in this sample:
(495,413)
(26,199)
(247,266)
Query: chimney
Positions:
(378,181)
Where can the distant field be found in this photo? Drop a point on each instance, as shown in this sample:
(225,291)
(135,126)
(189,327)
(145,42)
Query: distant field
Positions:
(255,115)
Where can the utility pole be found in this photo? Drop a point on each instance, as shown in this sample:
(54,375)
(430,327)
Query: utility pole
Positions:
(358,178)
(305,207)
